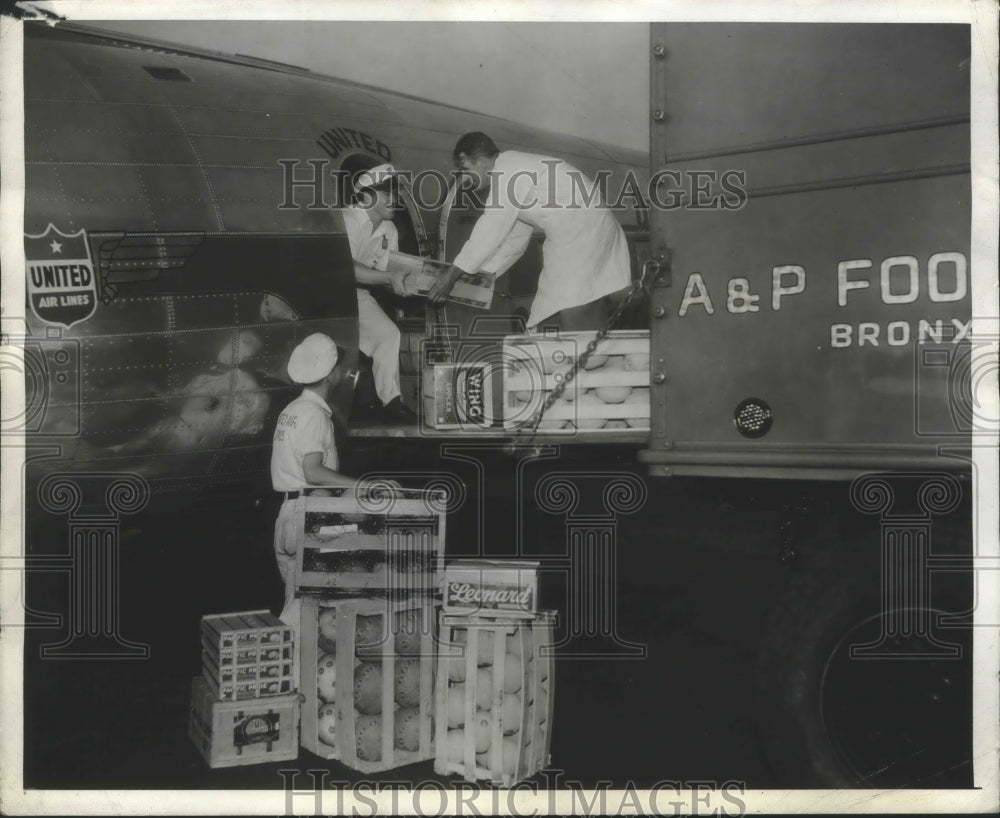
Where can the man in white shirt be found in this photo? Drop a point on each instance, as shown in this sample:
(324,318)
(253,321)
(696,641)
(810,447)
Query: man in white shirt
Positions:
(304,452)
(585,253)
(373,236)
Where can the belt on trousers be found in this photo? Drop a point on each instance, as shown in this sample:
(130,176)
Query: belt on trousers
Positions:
(292,495)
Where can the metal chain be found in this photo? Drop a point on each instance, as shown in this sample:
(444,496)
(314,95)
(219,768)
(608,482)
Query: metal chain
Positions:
(639,285)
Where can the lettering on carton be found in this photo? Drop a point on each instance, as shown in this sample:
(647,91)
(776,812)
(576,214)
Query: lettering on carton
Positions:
(489,596)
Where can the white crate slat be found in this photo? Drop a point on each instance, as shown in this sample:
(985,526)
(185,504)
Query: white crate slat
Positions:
(568,410)
(617,342)
(584,379)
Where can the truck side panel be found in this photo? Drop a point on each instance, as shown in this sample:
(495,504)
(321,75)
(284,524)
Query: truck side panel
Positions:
(816,216)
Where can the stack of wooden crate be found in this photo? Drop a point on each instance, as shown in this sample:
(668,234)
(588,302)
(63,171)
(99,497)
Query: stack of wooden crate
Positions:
(368,567)
(493,698)
(244,708)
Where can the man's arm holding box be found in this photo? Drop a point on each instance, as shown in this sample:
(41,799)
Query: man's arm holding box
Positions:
(426,277)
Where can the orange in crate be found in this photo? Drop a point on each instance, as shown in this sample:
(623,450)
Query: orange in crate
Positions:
(493,701)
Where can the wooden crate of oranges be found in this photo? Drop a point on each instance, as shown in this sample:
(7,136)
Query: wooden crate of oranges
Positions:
(610,391)
(493,703)
(367,678)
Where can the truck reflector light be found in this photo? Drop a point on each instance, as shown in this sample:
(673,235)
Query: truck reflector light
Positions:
(753,417)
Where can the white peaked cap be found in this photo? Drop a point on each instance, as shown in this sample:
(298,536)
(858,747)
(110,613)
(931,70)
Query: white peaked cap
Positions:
(374,176)
(313,359)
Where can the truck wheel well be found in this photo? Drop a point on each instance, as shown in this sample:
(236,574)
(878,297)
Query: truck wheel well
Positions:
(827,718)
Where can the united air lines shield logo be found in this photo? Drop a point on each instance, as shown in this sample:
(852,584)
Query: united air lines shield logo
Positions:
(62,285)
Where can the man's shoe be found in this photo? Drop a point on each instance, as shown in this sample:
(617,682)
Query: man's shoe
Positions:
(394,413)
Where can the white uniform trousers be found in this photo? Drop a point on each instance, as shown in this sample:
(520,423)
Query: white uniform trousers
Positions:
(285,547)
(378,338)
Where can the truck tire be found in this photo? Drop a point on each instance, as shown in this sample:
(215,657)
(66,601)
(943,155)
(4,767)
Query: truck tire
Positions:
(826,719)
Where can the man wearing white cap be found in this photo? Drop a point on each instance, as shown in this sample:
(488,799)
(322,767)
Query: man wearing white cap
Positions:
(304,451)
(373,236)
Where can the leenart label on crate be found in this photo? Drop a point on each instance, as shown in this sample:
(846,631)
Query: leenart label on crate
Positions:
(488,586)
